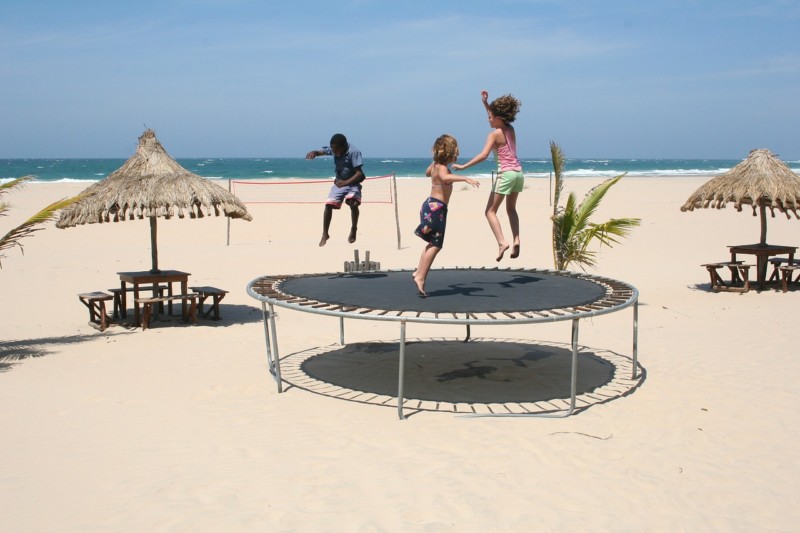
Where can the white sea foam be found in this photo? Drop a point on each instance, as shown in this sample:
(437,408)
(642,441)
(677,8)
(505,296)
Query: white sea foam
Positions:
(3,181)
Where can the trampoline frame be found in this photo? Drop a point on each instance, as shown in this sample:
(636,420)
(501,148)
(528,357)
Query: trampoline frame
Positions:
(619,295)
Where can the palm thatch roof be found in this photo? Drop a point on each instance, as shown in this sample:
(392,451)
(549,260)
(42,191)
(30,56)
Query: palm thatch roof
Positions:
(760,180)
(151,184)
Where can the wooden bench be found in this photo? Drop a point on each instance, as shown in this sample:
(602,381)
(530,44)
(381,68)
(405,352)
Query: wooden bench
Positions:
(157,290)
(740,274)
(786,272)
(156,301)
(776,263)
(216,295)
(96,302)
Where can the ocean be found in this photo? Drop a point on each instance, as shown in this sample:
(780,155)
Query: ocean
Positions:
(89,170)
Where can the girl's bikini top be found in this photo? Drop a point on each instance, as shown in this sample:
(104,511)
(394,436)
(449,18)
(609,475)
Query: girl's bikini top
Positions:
(439,185)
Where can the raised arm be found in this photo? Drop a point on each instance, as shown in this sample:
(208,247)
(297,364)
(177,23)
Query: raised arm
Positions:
(491,141)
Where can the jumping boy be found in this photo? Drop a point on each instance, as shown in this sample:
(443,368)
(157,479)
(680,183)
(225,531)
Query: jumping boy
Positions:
(346,185)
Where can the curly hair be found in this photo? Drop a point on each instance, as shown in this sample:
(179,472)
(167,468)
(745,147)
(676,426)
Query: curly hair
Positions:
(505,108)
(445,149)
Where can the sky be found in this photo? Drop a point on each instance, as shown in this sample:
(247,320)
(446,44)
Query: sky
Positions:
(688,79)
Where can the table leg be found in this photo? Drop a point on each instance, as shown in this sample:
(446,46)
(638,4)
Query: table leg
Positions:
(136,304)
(761,265)
(123,300)
(734,271)
(184,290)
(169,304)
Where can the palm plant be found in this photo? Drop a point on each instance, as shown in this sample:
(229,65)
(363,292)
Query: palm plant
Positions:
(13,237)
(573,230)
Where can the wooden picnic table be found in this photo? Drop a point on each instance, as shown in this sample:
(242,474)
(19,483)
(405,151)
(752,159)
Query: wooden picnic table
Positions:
(146,277)
(762,252)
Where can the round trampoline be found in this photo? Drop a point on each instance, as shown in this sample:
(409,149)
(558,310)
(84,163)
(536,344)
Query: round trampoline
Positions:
(467,296)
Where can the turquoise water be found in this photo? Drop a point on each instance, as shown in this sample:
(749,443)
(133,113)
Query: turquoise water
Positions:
(59,170)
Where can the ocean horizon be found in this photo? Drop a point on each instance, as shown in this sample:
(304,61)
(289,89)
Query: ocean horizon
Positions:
(59,170)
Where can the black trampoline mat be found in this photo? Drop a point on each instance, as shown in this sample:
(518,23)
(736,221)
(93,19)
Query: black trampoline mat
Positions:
(449,291)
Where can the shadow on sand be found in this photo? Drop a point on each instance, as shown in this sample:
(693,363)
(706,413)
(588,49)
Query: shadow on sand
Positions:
(483,375)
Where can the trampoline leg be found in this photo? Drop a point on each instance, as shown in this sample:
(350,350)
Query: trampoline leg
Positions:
(468,334)
(573,385)
(273,361)
(635,338)
(401,370)
(341,330)
(573,392)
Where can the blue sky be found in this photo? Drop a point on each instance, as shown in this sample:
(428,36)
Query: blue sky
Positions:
(249,78)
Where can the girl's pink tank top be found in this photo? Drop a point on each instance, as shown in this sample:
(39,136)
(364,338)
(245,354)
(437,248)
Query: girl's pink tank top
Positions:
(507,154)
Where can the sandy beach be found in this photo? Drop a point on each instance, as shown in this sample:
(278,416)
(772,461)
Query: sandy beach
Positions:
(180,427)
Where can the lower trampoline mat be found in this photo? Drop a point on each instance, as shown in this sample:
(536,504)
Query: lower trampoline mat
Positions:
(450,290)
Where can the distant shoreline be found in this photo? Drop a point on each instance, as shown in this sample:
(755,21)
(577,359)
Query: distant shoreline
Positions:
(90,170)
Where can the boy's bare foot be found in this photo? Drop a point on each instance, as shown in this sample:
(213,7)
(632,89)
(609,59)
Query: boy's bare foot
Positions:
(324,239)
(352,238)
(420,286)
(502,251)
(515,251)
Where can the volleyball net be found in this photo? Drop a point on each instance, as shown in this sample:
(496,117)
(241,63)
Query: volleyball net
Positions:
(374,190)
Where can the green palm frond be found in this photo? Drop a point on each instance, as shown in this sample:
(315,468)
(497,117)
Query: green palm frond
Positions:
(573,230)
(557,156)
(5,188)
(13,237)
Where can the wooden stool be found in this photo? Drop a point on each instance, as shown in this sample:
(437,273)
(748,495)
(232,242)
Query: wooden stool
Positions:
(787,271)
(216,295)
(157,290)
(96,302)
(148,304)
(776,263)
(740,273)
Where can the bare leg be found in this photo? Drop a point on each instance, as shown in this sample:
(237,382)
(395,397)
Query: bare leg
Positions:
(494,223)
(353,223)
(425,262)
(326,224)
(513,219)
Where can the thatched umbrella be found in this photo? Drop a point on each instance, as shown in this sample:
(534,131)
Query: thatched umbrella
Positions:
(761,181)
(150,185)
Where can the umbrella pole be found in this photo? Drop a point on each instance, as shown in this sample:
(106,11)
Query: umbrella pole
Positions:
(154,244)
(763,210)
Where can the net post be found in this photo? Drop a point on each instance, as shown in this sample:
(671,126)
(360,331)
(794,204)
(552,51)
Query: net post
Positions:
(228,241)
(396,215)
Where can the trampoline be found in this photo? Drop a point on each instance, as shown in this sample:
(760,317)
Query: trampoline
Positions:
(460,296)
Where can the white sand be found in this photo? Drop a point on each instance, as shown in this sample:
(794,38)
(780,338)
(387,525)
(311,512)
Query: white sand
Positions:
(180,428)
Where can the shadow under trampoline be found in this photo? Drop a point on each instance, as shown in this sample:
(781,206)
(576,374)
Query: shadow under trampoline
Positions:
(482,376)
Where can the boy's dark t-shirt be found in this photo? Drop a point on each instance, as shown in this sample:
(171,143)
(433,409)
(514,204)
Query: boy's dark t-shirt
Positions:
(346,164)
